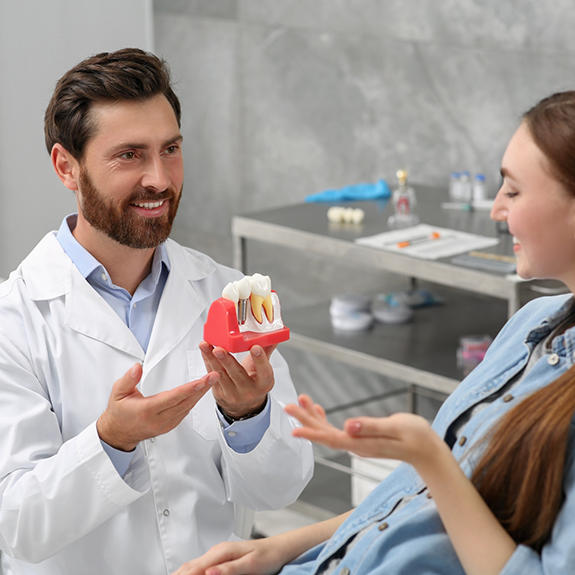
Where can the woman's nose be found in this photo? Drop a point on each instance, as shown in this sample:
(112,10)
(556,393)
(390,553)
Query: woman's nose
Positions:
(499,210)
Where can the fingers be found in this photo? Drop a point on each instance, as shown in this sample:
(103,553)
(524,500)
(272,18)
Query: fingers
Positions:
(367,426)
(257,368)
(207,355)
(242,388)
(223,559)
(315,426)
(307,412)
(127,383)
(269,349)
(219,360)
(130,417)
(184,397)
(260,358)
(391,427)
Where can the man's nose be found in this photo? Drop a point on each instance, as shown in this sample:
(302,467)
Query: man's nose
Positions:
(156,175)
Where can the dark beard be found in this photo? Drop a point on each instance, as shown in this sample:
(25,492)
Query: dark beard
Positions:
(120,222)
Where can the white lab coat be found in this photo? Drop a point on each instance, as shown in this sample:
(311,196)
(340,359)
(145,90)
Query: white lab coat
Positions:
(64,508)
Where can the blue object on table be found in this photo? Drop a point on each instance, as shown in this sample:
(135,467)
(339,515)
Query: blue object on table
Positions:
(376,191)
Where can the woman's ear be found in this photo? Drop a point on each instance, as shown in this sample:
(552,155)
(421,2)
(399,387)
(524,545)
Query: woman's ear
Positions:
(66,167)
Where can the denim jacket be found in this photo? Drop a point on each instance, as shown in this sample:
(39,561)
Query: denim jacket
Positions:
(412,539)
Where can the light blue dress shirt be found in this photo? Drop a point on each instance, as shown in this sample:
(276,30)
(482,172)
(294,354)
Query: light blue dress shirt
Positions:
(410,538)
(138,312)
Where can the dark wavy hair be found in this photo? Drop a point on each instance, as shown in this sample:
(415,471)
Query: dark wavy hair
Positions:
(127,74)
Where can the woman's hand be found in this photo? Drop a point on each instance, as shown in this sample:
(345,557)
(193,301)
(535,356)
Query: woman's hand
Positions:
(481,543)
(254,557)
(402,436)
(261,556)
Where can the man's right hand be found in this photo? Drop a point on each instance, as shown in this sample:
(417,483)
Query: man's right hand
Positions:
(130,417)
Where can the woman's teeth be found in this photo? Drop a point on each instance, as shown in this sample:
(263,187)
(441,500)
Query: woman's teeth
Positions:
(515,240)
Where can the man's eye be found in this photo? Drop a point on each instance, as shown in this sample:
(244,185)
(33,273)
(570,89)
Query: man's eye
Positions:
(128,155)
(171,149)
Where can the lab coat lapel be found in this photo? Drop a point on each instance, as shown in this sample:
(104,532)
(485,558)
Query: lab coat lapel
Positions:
(49,274)
(181,304)
(89,314)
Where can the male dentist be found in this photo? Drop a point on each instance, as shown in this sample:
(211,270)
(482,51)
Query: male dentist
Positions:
(120,453)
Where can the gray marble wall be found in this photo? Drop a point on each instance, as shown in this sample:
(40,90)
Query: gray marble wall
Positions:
(283,98)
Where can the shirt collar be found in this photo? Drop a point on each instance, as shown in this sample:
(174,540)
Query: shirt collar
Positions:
(87,264)
(551,322)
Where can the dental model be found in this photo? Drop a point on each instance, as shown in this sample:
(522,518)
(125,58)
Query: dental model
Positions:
(237,326)
(339,214)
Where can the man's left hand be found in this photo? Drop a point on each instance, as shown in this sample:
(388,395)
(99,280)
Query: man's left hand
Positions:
(242,388)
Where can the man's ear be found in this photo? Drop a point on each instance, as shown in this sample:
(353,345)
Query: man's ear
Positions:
(66,167)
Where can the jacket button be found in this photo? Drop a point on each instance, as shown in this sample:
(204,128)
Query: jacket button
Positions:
(383,526)
(507,398)
(429,496)
(462,440)
(166,512)
(345,571)
(553,359)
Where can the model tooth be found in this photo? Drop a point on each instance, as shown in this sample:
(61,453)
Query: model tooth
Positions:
(244,287)
(348,215)
(335,214)
(231,292)
(357,216)
(269,307)
(261,289)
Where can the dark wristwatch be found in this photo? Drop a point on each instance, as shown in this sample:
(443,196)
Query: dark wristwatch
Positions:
(231,419)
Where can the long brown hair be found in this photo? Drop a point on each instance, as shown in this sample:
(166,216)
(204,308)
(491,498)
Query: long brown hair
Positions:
(520,473)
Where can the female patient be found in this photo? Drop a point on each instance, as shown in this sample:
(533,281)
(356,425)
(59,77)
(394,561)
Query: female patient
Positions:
(490,487)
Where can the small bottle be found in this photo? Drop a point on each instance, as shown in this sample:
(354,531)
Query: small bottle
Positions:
(479,188)
(465,189)
(454,187)
(404,202)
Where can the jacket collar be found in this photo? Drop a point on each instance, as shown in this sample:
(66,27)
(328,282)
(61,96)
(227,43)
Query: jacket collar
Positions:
(49,274)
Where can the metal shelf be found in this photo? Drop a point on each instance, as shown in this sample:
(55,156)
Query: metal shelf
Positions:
(421,352)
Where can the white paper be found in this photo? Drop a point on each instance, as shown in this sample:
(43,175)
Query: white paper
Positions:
(449,243)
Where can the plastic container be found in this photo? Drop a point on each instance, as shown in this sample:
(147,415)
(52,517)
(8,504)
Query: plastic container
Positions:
(344,304)
(351,312)
(472,348)
(356,321)
(454,187)
(465,188)
(479,188)
(386,309)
